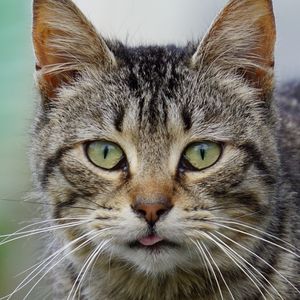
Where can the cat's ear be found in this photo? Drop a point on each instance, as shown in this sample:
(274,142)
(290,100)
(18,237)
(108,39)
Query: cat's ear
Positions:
(242,40)
(65,43)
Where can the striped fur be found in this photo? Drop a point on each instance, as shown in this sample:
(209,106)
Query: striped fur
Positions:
(154,101)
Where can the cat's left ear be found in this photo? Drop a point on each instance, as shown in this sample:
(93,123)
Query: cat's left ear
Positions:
(241,40)
(65,43)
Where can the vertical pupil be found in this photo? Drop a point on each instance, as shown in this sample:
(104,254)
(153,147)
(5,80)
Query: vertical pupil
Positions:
(202,153)
(105,152)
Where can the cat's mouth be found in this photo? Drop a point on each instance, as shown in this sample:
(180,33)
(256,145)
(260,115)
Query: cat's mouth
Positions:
(152,242)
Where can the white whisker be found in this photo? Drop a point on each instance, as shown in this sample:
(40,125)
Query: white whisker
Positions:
(256,237)
(39,223)
(228,221)
(206,268)
(261,259)
(44,262)
(85,268)
(200,248)
(53,266)
(250,265)
(244,269)
(223,279)
(44,230)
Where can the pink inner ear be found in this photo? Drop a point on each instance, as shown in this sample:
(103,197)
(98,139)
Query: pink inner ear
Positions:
(65,42)
(46,56)
(242,39)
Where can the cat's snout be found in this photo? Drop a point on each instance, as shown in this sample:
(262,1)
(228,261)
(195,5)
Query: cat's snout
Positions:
(152,209)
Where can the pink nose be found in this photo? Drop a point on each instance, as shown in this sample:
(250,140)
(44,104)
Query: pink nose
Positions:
(152,210)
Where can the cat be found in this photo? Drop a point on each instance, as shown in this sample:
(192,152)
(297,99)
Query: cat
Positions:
(166,172)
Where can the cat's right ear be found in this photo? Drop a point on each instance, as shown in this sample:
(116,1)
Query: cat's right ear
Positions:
(65,43)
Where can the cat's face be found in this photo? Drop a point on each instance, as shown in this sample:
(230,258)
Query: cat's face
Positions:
(155,149)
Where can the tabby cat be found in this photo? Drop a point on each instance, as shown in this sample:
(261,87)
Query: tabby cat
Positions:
(165,171)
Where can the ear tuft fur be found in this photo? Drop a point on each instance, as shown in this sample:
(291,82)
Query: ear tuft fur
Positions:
(65,43)
(242,40)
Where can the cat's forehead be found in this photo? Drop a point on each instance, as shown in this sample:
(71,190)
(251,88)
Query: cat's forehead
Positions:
(152,66)
(154,92)
(153,76)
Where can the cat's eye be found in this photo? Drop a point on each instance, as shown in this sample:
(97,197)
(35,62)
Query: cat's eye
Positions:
(201,155)
(105,155)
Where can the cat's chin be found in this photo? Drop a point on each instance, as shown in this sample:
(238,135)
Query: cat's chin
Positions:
(161,258)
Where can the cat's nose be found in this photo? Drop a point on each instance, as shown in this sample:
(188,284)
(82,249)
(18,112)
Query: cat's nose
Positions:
(152,210)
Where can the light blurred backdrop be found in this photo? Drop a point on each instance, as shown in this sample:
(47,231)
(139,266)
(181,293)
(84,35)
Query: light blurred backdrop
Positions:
(132,21)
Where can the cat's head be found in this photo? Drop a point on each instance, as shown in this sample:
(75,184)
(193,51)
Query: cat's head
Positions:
(158,151)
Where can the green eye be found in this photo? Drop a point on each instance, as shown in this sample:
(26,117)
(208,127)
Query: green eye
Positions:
(104,154)
(202,155)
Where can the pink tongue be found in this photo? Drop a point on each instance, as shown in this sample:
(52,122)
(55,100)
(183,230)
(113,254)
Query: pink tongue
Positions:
(150,240)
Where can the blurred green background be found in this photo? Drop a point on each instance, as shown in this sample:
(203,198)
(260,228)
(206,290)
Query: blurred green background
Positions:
(16,111)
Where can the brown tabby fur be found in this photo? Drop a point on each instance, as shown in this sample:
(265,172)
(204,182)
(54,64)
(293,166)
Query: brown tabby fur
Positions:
(235,225)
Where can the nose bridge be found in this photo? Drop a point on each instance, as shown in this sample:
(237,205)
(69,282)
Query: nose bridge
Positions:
(151,199)
(152,190)
(153,159)
(153,172)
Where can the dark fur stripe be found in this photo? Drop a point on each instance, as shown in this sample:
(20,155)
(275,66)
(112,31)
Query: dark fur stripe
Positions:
(50,165)
(118,121)
(186,118)
(258,161)
(265,250)
(71,200)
